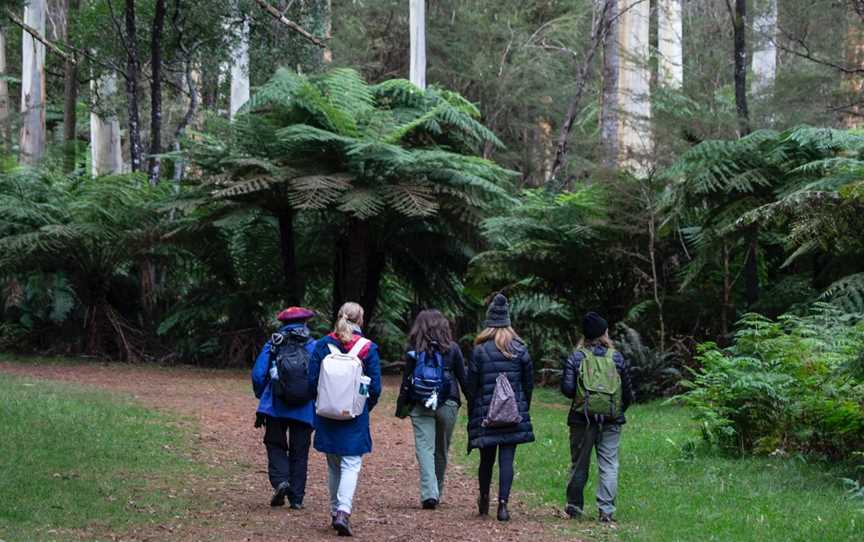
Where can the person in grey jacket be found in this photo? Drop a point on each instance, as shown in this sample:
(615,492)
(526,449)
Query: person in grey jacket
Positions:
(587,433)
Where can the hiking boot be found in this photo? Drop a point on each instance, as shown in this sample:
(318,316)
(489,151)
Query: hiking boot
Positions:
(342,524)
(296,505)
(278,498)
(430,504)
(333,520)
(606,517)
(573,511)
(503,514)
(483,505)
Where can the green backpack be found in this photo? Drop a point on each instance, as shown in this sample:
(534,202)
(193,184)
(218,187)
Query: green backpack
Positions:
(598,387)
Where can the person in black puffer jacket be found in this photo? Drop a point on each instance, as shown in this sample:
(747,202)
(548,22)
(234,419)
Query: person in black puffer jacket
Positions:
(587,433)
(498,350)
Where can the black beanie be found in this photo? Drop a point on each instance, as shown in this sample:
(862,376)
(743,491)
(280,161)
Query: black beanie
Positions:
(594,325)
(498,314)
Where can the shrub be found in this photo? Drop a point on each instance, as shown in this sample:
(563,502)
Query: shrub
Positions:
(790,384)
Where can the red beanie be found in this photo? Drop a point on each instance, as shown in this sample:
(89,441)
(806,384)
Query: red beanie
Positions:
(294,314)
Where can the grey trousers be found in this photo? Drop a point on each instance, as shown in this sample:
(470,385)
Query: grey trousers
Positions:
(583,439)
(433,430)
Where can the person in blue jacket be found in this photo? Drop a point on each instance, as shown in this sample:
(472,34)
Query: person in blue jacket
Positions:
(345,441)
(287,429)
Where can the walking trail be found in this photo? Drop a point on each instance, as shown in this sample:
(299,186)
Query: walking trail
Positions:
(219,408)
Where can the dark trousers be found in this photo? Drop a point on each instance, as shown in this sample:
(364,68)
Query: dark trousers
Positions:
(287,442)
(506,453)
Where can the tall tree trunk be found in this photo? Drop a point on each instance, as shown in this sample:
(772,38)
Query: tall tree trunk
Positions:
(853,83)
(359,268)
(240,70)
(751,269)
(609,96)
(294,284)
(32,145)
(327,56)
(106,153)
(133,74)
(670,42)
(70,95)
(765,50)
(634,88)
(156,92)
(5,120)
(417,21)
(739,26)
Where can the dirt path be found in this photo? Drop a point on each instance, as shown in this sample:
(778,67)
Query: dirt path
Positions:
(221,404)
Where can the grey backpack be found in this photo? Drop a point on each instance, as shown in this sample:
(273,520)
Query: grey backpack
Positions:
(503,410)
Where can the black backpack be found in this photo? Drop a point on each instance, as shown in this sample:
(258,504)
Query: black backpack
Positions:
(288,355)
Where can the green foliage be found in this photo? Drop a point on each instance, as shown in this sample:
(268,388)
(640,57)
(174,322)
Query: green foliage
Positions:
(784,385)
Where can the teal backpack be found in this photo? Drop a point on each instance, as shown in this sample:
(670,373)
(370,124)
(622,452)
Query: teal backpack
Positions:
(598,387)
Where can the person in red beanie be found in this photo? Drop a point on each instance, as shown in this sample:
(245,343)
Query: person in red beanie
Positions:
(285,411)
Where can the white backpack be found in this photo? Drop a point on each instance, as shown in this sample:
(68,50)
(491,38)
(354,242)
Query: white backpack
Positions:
(342,387)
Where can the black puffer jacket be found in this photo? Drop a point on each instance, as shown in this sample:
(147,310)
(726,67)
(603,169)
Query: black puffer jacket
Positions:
(571,372)
(487,362)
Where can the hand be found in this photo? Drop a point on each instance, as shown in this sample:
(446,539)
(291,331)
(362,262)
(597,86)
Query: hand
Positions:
(260,419)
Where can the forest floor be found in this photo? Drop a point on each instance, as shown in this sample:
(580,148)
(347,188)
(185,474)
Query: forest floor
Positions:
(228,499)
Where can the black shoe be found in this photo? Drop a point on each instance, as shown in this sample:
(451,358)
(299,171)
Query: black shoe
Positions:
(278,498)
(333,521)
(483,505)
(573,511)
(342,524)
(503,514)
(430,504)
(606,518)
(296,506)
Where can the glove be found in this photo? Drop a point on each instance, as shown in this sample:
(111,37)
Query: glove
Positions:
(260,420)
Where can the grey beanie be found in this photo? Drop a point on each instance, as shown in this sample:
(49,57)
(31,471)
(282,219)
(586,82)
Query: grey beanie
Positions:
(498,313)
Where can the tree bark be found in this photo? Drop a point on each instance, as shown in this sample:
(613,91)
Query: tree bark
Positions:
(739,26)
(417,22)
(294,284)
(635,144)
(765,52)
(70,96)
(153,161)
(609,97)
(751,270)
(5,127)
(670,42)
(240,70)
(106,153)
(852,83)
(133,74)
(359,267)
(33,136)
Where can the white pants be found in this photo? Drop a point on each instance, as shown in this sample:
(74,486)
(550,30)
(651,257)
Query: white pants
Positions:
(342,474)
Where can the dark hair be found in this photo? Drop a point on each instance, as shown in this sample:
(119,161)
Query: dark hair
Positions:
(431,329)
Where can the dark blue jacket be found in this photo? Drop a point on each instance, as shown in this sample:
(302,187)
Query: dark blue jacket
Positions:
(272,406)
(486,363)
(571,373)
(346,437)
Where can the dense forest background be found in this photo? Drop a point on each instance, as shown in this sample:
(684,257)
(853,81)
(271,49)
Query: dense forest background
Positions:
(174,171)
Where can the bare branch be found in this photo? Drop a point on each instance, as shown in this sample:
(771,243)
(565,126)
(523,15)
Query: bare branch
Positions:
(38,37)
(803,51)
(290,24)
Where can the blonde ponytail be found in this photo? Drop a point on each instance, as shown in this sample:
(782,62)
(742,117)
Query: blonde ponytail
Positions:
(350,314)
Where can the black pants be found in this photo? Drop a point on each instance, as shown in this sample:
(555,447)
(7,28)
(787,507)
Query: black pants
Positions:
(506,453)
(287,443)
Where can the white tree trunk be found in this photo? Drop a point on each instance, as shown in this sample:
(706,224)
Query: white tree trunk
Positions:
(635,143)
(765,48)
(105,148)
(5,128)
(32,144)
(417,21)
(670,38)
(240,71)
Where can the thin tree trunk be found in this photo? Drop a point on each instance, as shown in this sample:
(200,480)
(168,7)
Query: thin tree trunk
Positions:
(751,269)
(33,136)
(133,73)
(670,41)
(294,284)
(240,70)
(106,153)
(5,127)
(727,293)
(417,22)
(179,166)
(609,97)
(765,53)
(852,83)
(70,96)
(739,26)
(156,92)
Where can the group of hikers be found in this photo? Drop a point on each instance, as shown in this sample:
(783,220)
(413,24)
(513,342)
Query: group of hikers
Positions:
(329,386)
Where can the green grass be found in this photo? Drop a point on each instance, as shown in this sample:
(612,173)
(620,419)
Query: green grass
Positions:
(668,495)
(79,463)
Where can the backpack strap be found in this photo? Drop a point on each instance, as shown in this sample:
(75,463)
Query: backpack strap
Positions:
(333,348)
(359,346)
